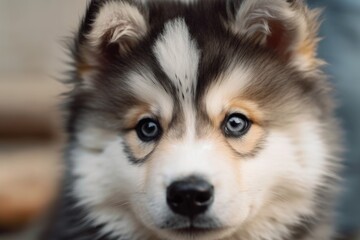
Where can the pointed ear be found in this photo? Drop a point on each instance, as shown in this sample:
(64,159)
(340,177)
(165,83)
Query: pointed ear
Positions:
(110,29)
(287,27)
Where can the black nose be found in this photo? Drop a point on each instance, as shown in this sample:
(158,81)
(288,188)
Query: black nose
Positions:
(190,197)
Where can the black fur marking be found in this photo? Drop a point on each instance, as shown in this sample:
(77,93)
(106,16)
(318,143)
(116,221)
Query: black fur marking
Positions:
(71,223)
(232,7)
(303,230)
(133,159)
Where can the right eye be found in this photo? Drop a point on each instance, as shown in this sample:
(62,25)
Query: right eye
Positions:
(236,125)
(148,130)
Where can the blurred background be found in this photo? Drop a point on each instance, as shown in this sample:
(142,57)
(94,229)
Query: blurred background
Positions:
(340,47)
(32,57)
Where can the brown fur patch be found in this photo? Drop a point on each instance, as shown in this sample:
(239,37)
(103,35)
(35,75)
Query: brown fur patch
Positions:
(83,68)
(134,114)
(249,108)
(307,46)
(307,49)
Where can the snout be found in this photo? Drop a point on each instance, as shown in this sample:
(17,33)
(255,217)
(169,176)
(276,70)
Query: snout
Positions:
(190,197)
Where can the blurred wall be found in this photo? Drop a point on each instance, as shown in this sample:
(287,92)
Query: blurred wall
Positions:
(32,56)
(340,47)
(31,30)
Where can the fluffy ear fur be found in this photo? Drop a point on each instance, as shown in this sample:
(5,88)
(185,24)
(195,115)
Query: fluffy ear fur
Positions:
(111,28)
(286,26)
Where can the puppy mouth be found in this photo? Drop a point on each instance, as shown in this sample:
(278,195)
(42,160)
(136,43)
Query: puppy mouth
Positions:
(195,231)
(194,228)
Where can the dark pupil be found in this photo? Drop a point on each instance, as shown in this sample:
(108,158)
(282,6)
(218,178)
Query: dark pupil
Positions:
(149,129)
(235,124)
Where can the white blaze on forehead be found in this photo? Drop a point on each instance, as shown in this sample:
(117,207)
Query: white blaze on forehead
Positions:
(178,54)
(228,86)
(179,57)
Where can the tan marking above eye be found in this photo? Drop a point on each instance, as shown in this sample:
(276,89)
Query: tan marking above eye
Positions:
(248,108)
(134,114)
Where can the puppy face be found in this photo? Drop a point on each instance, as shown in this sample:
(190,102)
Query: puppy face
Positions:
(197,123)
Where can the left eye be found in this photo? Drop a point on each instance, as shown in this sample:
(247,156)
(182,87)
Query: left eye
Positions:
(148,130)
(236,125)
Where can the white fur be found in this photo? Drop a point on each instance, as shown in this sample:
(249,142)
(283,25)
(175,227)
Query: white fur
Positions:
(179,57)
(289,169)
(187,157)
(103,186)
(178,54)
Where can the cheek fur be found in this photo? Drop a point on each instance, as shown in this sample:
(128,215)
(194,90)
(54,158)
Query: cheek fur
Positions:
(137,150)
(109,174)
(106,182)
(249,144)
(285,174)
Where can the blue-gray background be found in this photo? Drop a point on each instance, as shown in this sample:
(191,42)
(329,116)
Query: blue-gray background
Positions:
(340,47)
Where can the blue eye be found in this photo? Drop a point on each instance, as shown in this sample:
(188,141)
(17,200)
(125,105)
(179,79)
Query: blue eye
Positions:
(148,130)
(236,125)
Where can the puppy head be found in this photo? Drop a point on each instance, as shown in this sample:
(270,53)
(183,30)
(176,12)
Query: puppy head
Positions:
(198,119)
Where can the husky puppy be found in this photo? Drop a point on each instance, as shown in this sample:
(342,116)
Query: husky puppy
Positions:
(204,119)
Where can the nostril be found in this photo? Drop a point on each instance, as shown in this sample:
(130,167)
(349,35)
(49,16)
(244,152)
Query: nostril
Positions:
(176,199)
(190,197)
(203,197)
